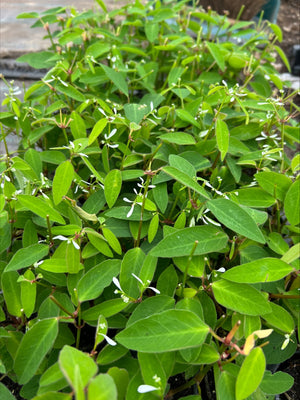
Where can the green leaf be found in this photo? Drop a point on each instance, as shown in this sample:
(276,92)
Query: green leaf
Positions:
(27,256)
(97,129)
(280,318)
(151,305)
(5,394)
(240,297)
(34,346)
(40,207)
(151,30)
(186,116)
(91,285)
(167,331)
(195,266)
(261,270)
(77,126)
(70,91)
(117,78)
(283,57)
(39,60)
(226,386)
(112,240)
(292,254)
(235,218)
(78,368)
(153,227)
(216,53)
(180,138)
(53,396)
(107,309)
(97,49)
(121,379)
(186,180)
(277,243)
(131,264)
(28,293)
(292,203)
(182,242)
(253,197)
(135,112)
(274,183)
(112,186)
(277,383)
(151,369)
(99,242)
(62,180)
(11,292)
(222,135)
(102,387)
(167,281)
(250,374)
(182,164)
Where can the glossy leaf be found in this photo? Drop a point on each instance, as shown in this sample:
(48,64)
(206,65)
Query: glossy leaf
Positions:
(250,374)
(153,334)
(62,181)
(112,186)
(240,297)
(40,207)
(12,292)
(28,293)
(280,318)
(216,53)
(186,180)
(91,285)
(117,78)
(235,218)
(253,197)
(225,387)
(274,183)
(292,203)
(35,344)
(222,135)
(97,129)
(182,242)
(277,383)
(261,270)
(78,368)
(102,387)
(131,264)
(27,256)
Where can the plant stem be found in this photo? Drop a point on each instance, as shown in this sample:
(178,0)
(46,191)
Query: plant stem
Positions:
(61,306)
(137,243)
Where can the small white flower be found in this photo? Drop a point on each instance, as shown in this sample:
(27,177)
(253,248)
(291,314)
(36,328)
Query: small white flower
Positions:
(146,388)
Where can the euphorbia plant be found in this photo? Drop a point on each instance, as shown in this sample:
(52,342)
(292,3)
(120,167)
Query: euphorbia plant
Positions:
(150,216)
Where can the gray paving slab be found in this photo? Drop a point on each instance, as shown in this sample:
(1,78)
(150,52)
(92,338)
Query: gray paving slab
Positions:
(17,38)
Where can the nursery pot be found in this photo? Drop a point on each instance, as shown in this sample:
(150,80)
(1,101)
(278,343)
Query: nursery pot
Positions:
(233,7)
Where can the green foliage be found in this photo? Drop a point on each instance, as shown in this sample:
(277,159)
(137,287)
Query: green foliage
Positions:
(149,217)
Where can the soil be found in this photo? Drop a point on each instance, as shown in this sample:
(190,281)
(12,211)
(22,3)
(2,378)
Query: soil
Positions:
(288,20)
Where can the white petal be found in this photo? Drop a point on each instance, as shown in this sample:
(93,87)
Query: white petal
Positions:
(146,388)
(127,200)
(112,133)
(117,283)
(136,277)
(76,245)
(60,237)
(154,289)
(109,340)
(130,211)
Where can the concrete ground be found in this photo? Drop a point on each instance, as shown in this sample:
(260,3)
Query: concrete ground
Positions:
(17,38)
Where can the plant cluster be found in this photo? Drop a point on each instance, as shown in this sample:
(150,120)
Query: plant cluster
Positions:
(150,217)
